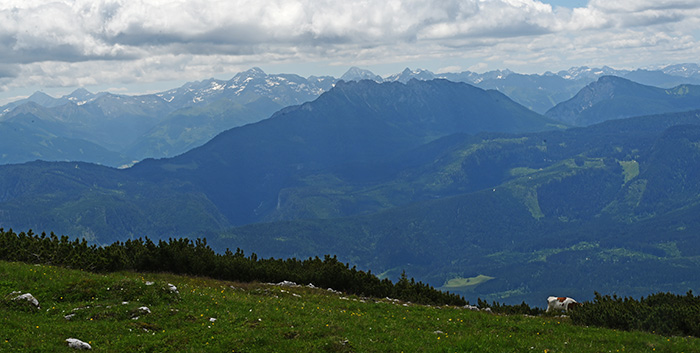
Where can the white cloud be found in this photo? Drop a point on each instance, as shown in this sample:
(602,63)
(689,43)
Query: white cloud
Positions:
(78,42)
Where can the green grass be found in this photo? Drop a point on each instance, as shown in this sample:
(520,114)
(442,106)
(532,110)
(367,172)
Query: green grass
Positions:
(461,283)
(267,318)
(630,169)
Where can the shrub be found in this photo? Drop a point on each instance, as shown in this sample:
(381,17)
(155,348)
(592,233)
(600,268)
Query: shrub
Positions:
(662,313)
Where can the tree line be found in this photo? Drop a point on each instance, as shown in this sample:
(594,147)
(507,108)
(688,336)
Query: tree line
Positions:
(196,258)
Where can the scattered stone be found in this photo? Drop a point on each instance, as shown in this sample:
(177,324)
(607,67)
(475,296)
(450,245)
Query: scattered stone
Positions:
(144,309)
(149,283)
(28,297)
(77,344)
(287,284)
(476,308)
(69,316)
(212,319)
(172,288)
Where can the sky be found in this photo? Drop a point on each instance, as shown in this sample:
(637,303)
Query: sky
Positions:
(145,46)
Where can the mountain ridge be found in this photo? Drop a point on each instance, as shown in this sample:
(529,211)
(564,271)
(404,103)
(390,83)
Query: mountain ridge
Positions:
(355,122)
(171,122)
(612,97)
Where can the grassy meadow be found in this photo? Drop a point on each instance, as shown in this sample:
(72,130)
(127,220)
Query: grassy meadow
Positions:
(218,316)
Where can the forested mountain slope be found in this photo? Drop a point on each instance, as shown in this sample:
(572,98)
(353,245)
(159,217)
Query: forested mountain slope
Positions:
(357,126)
(612,97)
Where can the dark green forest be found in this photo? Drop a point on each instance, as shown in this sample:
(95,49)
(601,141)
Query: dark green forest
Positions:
(196,258)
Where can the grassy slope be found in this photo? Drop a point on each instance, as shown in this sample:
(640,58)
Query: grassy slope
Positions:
(265,318)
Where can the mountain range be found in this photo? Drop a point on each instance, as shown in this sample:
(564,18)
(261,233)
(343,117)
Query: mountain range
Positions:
(118,130)
(154,125)
(461,187)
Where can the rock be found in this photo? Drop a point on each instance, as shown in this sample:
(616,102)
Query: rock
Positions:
(287,284)
(172,288)
(77,344)
(144,309)
(28,297)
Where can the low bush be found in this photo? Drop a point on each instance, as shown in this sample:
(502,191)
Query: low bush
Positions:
(662,313)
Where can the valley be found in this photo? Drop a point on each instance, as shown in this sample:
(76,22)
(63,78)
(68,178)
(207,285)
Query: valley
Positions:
(460,187)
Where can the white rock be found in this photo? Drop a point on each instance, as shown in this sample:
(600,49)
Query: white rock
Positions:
(77,344)
(212,319)
(172,288)
(287,284)
(144,309)
(149,283)
(28,297)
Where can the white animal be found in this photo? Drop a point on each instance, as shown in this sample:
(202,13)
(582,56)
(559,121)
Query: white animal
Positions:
(561,303)
(77,344)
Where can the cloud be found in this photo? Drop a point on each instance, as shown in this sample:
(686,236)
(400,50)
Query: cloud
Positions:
(67,42)
(108,30)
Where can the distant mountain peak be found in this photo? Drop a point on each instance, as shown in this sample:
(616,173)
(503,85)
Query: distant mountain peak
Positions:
(683,70)
(357,74)
(242,78)
(80,96)
(41,98)
(407,74)
(39,95)
(80,92)
(255,72)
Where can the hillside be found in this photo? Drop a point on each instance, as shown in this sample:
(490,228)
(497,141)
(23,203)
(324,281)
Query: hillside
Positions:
(613,97)
(352,127)
(506,209)
(139,312)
